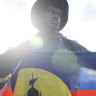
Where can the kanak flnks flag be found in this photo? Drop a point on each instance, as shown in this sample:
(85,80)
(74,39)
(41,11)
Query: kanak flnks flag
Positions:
(60,74)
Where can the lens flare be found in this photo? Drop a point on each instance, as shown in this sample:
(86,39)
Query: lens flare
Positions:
(37,42)
(64,61)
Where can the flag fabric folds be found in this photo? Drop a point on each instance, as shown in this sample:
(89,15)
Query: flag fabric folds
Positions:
(62,73)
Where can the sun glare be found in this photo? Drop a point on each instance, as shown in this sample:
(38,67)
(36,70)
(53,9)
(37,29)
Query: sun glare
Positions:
(15,24)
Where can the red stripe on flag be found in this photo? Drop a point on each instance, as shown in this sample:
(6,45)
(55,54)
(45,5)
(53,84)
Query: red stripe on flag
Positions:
(84,92)
(8,92)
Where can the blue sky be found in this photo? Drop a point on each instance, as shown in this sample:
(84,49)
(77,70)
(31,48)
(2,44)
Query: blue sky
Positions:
(16,27)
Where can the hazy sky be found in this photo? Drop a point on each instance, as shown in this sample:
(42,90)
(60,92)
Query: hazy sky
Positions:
(16,27)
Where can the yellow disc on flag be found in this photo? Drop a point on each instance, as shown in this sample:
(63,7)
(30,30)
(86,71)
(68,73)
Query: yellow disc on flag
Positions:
(38,82)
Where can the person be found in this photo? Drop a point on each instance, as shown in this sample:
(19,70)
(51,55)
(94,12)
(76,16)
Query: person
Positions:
(49,17)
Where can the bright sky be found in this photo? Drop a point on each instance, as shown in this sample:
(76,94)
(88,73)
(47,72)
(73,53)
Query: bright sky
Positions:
(16,27)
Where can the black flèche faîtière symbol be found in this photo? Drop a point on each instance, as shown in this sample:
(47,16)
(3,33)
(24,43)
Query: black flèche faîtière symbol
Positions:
(33,91)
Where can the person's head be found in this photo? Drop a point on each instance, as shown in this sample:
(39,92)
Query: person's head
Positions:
(49,15)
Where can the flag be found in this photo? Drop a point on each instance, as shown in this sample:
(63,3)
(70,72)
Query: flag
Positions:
(63,73)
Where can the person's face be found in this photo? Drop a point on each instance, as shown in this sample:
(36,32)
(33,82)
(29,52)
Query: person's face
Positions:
(52,18)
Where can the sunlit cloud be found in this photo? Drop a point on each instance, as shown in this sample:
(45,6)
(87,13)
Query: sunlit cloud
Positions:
(17,4)
(89,11)
(93,2)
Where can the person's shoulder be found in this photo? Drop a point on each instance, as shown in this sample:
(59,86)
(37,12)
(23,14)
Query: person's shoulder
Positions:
(22,49)
(75,46)
(18,51)
(23,46)
(78,47)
